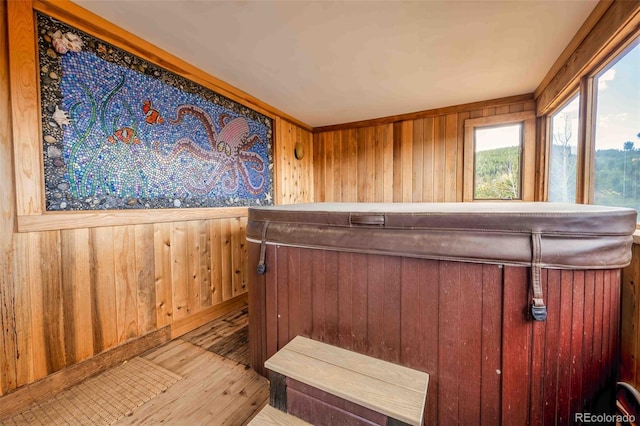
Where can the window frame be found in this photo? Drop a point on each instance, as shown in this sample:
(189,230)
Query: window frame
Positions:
(548,137)
(527,153)
(587,116)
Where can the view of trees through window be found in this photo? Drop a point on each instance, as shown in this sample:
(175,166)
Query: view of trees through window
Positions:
(617,136)
(497,162)
(563,153)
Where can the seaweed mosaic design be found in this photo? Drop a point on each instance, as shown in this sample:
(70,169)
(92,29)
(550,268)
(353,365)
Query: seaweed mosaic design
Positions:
(120,132)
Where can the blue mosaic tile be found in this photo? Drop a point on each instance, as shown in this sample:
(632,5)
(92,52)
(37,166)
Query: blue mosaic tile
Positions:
(120,132)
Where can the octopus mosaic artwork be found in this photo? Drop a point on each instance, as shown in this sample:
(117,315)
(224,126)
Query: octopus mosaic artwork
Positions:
(120,132)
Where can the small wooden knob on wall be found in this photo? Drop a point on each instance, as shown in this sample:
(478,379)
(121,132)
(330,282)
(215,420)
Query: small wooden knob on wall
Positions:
(299,151)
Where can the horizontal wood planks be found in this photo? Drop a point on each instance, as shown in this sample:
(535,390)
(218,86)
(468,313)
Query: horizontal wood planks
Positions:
(418,160)
(467,325)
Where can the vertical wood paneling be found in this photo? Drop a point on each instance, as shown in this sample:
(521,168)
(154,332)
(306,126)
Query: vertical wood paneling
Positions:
(345,300)
(467,325)
(587,342)
(330,164)
(144,267)
(105,332)
(516,349)
(180,269)
(162,261)
(410,333)
(193,257)
(470,307)
(429,143)
(392,314)
(282,295)
(439,160)
(450,352)
(337,171)
(216,263)
(76,292)
(317,296)
(552,346)
(295,308)
(491,345)
(125,282)
(226,264)
(12,371)
(359,302)
(22,340)
(419,165)
(331,298)
(236,257)
(387,162)
(375,306)
(429,271)
(451,160)
(271,304)
(420,160)
(9,294)
(204,264)
(577,326)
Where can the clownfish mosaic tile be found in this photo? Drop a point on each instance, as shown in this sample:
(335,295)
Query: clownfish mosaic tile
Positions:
(120,132)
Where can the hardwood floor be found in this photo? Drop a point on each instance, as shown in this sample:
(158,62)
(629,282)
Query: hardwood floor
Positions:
(217,386)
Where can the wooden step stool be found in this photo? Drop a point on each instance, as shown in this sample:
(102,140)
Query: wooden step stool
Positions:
(326,385)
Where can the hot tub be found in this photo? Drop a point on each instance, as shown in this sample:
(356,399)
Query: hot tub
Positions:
(512,308)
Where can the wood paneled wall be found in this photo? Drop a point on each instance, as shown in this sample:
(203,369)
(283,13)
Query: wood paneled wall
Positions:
(411,160)
(294,176)
(630,330)
(68,295)
(72,294)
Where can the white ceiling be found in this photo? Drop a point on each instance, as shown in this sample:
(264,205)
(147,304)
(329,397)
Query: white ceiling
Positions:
(327,62)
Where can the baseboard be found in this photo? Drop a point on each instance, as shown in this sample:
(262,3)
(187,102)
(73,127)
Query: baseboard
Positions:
(185,325)
(19,399)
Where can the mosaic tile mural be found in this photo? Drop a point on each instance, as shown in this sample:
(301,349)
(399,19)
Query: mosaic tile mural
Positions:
(121,133)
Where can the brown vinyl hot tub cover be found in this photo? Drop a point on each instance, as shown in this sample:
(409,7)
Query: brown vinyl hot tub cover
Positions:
(567,236)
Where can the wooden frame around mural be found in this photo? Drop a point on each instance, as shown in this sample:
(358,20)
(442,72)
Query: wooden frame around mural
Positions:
(27,122)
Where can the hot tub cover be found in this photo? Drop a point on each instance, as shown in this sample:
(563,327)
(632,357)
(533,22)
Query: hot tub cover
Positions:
(549,235)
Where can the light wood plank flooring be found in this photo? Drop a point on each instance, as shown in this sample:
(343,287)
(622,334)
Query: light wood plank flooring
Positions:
(218,386)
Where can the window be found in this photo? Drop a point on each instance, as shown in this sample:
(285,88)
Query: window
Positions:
(563,152)
(617,131)
(601,163)
(497,162)
(499,159)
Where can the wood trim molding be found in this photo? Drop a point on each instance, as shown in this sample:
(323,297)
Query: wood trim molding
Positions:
(17,400)
(499,119)
(427,113)
(185,325)
(582,33)
(620,20)
(95,219)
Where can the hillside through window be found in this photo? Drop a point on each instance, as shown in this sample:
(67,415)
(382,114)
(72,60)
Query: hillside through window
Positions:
(617,131)
(563,152)
(498,162)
